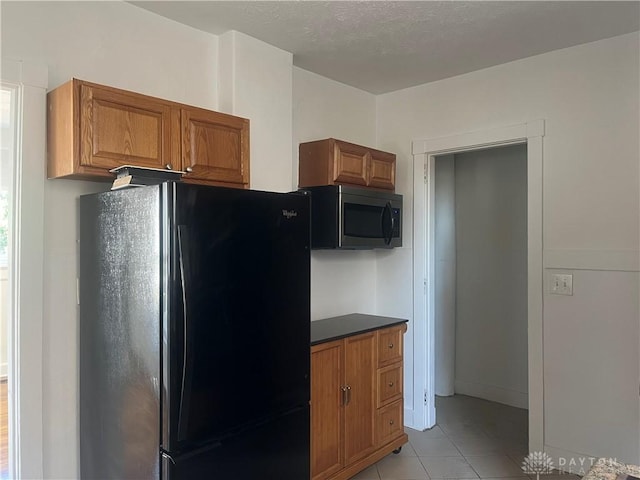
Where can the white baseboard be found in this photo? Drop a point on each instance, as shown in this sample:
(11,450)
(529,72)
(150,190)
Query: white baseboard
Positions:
(408,418)
(569,462)
(493,393)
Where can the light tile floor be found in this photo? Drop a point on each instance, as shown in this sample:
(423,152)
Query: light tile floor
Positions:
(473,438)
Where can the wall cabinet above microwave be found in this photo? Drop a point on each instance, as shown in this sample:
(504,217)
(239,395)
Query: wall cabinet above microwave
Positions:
(94,128)
(335,162)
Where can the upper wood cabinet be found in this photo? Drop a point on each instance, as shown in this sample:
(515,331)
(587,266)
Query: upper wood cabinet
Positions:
(331,162)
(93,128)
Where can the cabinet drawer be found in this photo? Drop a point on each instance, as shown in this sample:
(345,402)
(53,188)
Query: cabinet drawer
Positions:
(390,345)
(389,422)
(389,384)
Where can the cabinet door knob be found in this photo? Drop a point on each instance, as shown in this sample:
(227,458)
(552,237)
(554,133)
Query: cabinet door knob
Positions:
(391,345)
(391,384)
(189,169)
(168,166)
(390,422)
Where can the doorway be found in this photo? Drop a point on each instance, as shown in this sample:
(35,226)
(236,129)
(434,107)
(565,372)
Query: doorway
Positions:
(425,152)
(480,280)
(27,83)
(8,130)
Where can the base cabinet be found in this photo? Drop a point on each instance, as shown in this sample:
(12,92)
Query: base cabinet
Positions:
(356,402)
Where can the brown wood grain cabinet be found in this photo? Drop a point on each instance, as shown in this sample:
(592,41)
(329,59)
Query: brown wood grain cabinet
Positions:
(359,405)
(215,146)
(356,402)
(327,412)
(93,128)
(332,162)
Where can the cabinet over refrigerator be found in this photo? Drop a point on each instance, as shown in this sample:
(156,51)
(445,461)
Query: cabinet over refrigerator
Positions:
(194,334)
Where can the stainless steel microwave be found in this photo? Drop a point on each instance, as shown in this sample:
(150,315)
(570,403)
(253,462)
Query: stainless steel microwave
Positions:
(354,218)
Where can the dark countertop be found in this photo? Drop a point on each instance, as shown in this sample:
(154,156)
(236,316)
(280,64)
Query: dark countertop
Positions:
(335,328)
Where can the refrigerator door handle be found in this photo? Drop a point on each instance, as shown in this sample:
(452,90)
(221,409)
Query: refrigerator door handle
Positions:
(185,383)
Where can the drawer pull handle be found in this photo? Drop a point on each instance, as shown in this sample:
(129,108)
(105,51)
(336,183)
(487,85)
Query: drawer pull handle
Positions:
(390,422)
(391,345)
(391,384)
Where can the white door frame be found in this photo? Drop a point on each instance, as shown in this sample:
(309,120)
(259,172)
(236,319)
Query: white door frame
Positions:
(424,153)
(27,271)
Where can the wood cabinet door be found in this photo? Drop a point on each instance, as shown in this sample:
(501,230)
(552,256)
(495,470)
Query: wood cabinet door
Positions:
(350,163)
(215,147)
(119,128)
(382,170)
(360,372)
(327,414)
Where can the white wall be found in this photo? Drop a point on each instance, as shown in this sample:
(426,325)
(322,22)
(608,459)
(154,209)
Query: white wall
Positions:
(588,97)
(116,44)
(445,274)
(256,83)
(341,281)
(591,366)
(491,274)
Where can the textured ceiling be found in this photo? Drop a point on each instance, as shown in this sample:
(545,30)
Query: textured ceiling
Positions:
(382,46)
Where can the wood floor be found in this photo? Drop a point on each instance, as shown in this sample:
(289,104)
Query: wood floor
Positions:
(4,430)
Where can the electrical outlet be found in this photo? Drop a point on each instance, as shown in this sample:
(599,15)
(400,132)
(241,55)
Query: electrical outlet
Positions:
(561,284)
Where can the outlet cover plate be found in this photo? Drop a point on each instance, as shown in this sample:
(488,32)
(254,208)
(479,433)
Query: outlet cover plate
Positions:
(561,284)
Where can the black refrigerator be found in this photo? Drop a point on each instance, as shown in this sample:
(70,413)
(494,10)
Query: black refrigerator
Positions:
(194,334)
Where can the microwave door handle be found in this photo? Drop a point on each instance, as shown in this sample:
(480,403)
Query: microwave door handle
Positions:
(387,234)
(393,224)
